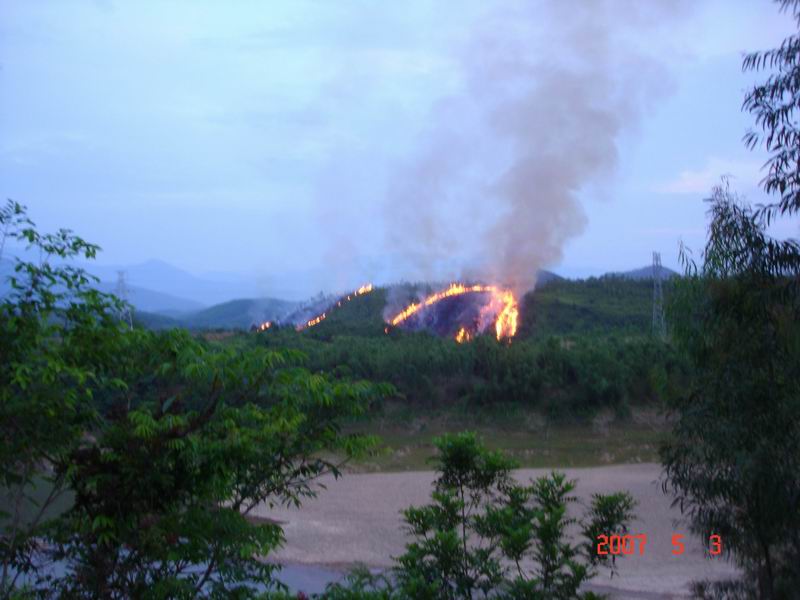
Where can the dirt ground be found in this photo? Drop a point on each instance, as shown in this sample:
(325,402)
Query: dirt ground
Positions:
(357,520)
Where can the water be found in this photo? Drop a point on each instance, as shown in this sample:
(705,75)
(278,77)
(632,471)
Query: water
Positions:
(309,579)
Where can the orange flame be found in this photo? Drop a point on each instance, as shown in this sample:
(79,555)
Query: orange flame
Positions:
(463,336)
(364,289)
(264,326)
(315,320)
(506,322)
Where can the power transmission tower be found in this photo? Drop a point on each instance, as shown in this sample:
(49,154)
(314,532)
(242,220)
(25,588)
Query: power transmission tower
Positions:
(122,293)
(659,322)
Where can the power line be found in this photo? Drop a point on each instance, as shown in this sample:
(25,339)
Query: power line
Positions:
(659,321)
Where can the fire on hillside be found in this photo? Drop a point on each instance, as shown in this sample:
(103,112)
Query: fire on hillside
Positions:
(314,314)
(364,289)
(465,309)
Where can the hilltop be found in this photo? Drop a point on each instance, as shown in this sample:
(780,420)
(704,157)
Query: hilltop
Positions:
(558,306)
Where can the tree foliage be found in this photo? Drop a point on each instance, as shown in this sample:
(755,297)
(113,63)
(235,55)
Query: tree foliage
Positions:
(485,535)
(734,457)
(774,104)
(163,443)
(565,377)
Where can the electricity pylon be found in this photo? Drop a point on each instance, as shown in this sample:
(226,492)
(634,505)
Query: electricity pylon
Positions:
(659,322)
(122,293)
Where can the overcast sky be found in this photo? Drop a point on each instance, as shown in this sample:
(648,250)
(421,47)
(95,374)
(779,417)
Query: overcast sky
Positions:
(266,138)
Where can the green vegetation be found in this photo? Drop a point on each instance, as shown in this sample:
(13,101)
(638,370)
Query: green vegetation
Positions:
(131,458)
(734,457)
(565,377)
(142,453)
(582,347)
(362,316)
(486,535)
(236,314)
(591,306)
(154,321)
(408,438)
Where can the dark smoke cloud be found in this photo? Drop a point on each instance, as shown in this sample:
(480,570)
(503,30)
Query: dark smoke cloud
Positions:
(548,89)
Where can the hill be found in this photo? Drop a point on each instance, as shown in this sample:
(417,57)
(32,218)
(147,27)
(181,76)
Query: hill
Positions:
(582,346)
(362,316)
(544,277)
(151,301)
(154,320)
(588,305)
(645,273)
(237,314)
(558,307)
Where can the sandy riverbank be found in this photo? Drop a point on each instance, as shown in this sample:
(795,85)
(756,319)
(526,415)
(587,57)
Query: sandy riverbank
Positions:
(357,519)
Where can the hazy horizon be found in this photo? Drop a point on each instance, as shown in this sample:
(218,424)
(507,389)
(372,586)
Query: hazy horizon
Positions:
(312,147)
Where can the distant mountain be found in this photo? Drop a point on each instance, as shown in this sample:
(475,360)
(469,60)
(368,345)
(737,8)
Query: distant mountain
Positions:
(142,298)
(170,280)
(646,273)
(147,300)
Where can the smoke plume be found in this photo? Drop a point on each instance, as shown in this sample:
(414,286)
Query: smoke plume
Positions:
(547,90)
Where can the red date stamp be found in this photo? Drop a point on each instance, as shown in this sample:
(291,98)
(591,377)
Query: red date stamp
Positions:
(617,545)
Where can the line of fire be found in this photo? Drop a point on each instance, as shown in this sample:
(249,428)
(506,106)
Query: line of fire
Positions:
(316,320)
(461,311)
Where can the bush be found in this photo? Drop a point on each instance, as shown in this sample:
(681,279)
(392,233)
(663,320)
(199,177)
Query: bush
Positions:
(483,529)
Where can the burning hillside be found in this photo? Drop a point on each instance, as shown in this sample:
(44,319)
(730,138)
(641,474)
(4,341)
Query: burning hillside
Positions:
(462,311)
(459,311)
(317,311)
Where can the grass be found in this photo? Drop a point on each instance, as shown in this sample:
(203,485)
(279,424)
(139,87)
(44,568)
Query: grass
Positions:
(525,436)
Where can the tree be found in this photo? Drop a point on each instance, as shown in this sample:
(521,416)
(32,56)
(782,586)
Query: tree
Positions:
(53,329)
(485,535)
(774,104)
(734,456)
(162,443)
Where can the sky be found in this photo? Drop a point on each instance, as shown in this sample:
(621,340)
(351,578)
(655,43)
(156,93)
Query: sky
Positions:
(331,143)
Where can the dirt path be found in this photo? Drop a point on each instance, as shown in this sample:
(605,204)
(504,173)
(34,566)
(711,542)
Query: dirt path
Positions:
(357,519)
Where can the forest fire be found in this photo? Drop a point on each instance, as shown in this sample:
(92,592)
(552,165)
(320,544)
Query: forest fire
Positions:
(364,289)
(501,308)
(315,321)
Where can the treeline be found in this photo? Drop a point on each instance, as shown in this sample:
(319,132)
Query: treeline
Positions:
(596,305)
(572,376)
(582,346)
